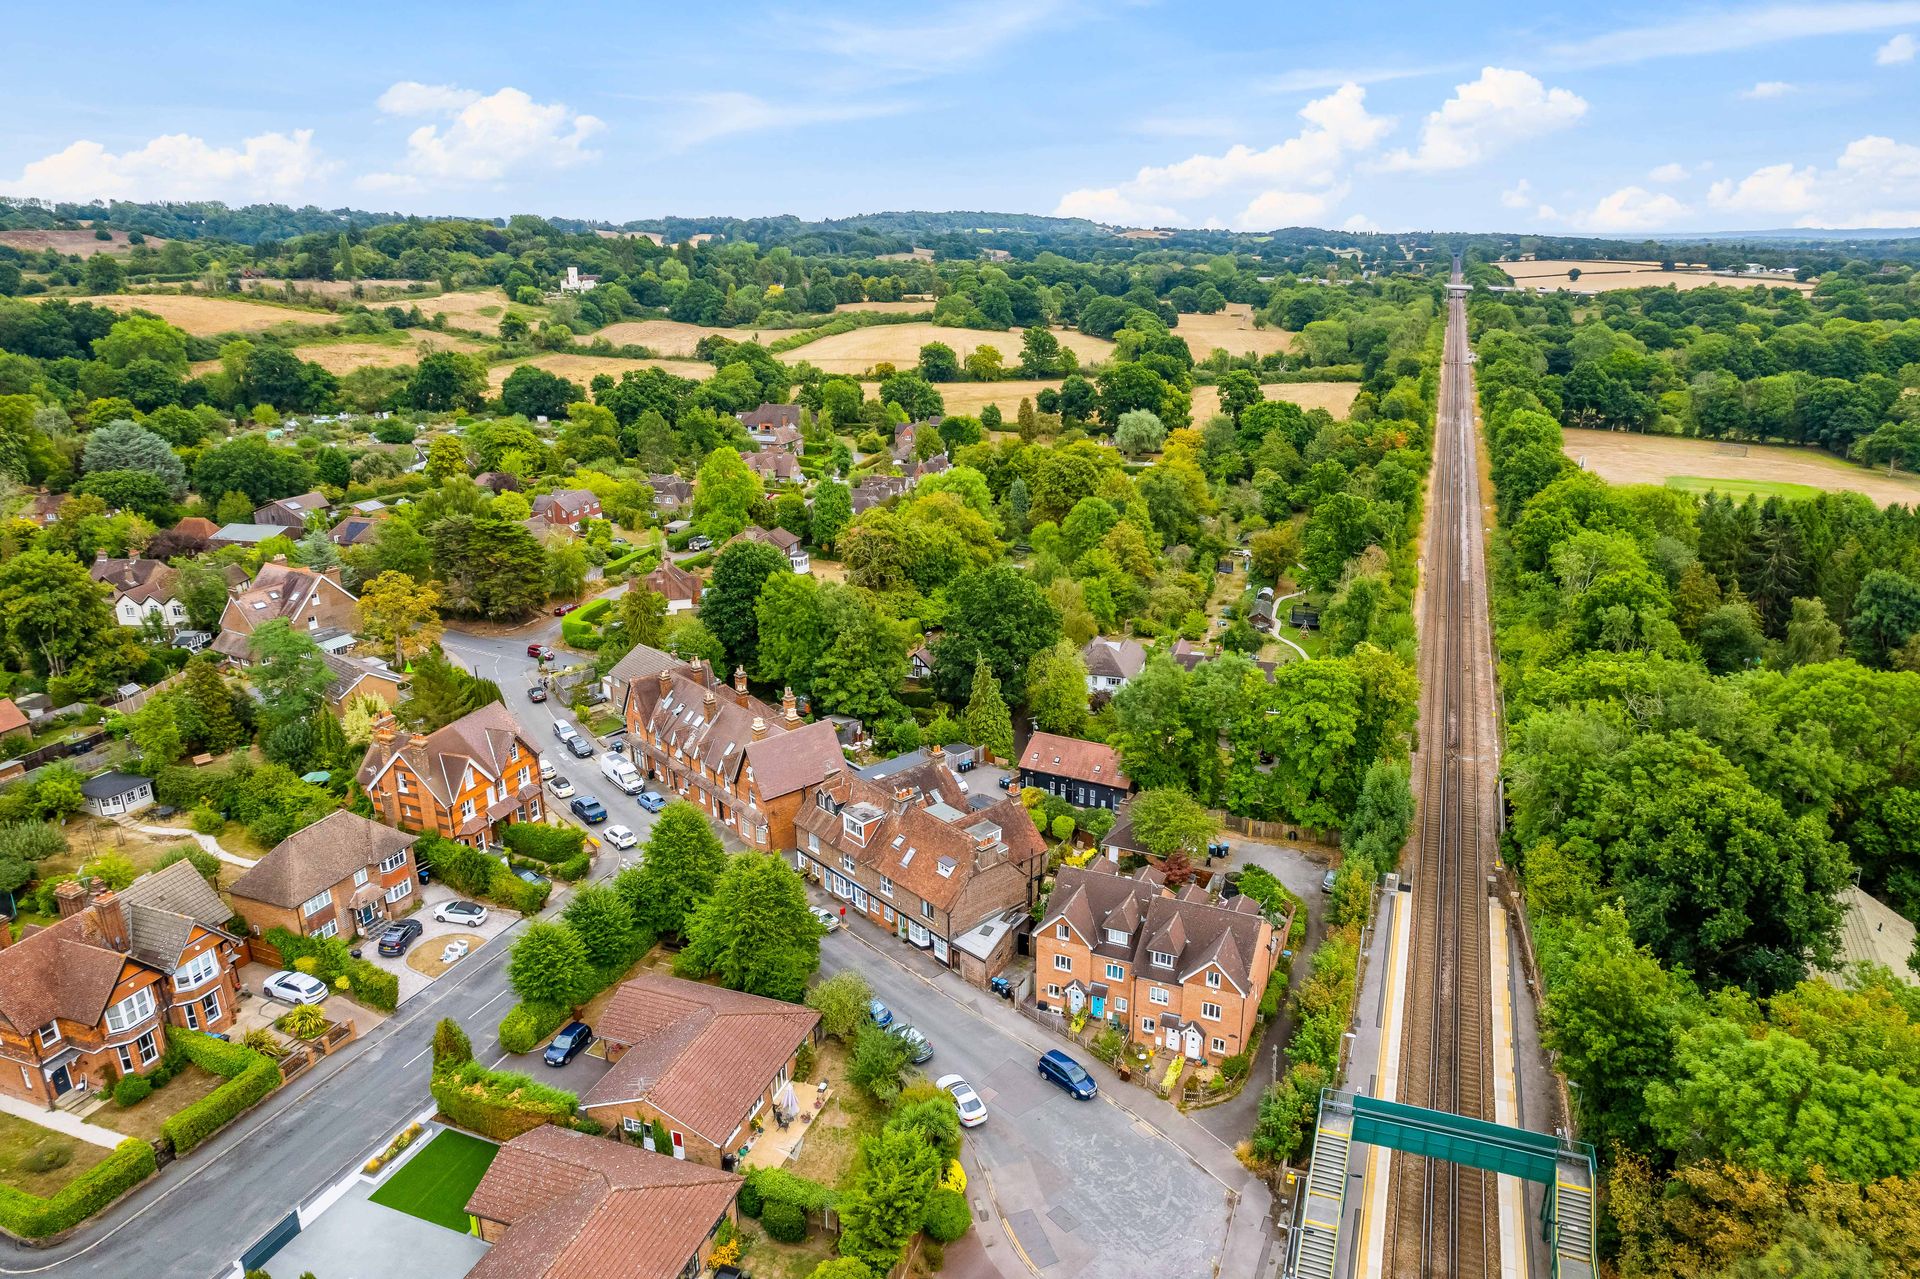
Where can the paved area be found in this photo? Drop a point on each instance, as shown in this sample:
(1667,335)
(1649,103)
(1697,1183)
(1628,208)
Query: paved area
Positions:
(257,1010)
(412,980)
(59,1121)
(577,1076)
(359,1239)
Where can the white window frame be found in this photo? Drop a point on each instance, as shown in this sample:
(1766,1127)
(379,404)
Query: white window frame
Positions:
(1213,980)
(1120,1006)
(1063,932)
(210,1006)
(1116,937)
(1115,973)
(328,929)
(813,842)
(1146,1025)
(847,864)
(1053,991)
(1063,962)
(1157,995)
(1160,958)
(197,972)
(51,1028)
(316,903)
(886,886)
(131,1011)
(360,877)
(1209,1012)
(926,910)
(390,864)
(400,891)
(1217,1044)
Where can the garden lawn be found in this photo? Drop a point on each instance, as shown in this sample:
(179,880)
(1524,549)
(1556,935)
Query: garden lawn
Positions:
(25,1147)
(435,1184)
(143,1119)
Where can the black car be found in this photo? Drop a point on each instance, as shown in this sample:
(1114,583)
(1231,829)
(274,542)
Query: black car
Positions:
(397,936)
(536,694)
(567,1044)
(580,746)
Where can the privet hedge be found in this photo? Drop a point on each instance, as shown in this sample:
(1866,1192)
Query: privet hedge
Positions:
(499,1104)
(250,1077)
(32,1217)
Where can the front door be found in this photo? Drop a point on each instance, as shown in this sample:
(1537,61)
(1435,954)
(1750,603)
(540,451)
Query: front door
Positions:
(1099,1005)
(62,1082)
(679,1146)
(367,914)
(1075,999)
(1173,1039)
(1193,1042)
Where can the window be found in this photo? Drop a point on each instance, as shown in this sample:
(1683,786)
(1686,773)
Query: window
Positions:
(886,886)
(1054,991)
(315,904)
(1217,1045)
(466,809)
(131,1011)
(1157,995)
(1117,936)
(201,970)
(813,843)
(49,1034)
(400,781)
(1161,959)
(148,1048)
(1063,932)
(393,863)
(513,751)
(327,929)
(1211,1012)
(630,1124)
(846,862)
(1146,1024)
(360,877)
(1120,1006)
(1213,981)
(210,1007)
(1114,972)
(1063,962)
(191,1010)
(400,890)
(926,910)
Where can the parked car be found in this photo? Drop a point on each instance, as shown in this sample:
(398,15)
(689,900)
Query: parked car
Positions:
(580,746)
(973,1111)
(564,609)
(293,988)
(563,730)
(589,810)
(620,837)
(567,1044)
(536,694)
(465,913)
(397,936)
(546,767)
(921,1046)
(828,920)
(881,1014)
(529,876)
(699,542)
(1058,1068)
(652,800)
(1326,880)
(560,786)
(540,652)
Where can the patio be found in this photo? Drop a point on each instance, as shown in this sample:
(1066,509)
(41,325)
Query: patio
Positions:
(775,1146)
(256,1011)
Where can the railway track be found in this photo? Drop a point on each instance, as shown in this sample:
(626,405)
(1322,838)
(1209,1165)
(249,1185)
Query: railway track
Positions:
(1444,1218)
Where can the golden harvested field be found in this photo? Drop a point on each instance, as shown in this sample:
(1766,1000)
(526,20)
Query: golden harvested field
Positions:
(899,345)
(1335,397)
(206,316)
(476,309)
(1603,277)
(83,243)
(582,368)
(344,357)
(376,290)
(666,337)
(913,307)
(1231,330)
(1623,457)
(968,398)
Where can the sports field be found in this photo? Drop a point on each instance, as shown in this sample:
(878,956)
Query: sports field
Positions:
(435,1184)
(1624,457)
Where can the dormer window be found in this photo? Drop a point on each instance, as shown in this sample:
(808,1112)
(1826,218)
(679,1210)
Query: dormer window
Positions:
(1117,936)
(1161,959)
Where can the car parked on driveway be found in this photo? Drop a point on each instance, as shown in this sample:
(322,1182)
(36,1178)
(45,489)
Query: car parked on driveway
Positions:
(568,1044)
(652,800)
(465,913)
(828,920)
(881,1014)
(1058,1068)
(973,1111)
(699,542)
(293,988)
(620,836)
(917,1043)
(560,786)
(397,936)
(589,810)
(529,876)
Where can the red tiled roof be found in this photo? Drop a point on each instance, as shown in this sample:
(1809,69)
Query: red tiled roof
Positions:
(1071,757)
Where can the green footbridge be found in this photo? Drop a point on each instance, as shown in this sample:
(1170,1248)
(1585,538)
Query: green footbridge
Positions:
(1564,1167)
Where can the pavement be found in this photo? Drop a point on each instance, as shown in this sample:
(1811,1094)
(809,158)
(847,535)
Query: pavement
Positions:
(61,1122)
(258,1011)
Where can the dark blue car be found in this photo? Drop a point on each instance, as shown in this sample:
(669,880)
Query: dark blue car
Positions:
(1056,1067)
(589,810)
(568,1043)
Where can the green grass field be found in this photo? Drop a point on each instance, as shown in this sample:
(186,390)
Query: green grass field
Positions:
(1741,488)
(436,1183)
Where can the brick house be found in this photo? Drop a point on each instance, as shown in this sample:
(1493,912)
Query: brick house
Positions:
(670,492)
(1085,774)
(90,997)
(567,507)
(704,1061)
(291,512)
(680,588)
(787,543)
(559,1204)
(877,490)
(141,588)
(908,854)
(307,601)
(463,782)
(762,422)
(1178,971)
(773,466)
(356,677)
(343,876)
(718,746)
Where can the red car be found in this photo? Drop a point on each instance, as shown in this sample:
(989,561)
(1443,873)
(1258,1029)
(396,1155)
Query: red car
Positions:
(540,652)
(564,609)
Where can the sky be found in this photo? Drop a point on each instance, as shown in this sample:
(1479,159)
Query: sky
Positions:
(1606,119)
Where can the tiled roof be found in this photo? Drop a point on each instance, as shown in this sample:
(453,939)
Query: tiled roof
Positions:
(1072,757)
(483,737)
(714,736)
(62,970)
(1195,931)
(299,505)
(673,582)
(581,1207)
(786,762)
(698,1053)
(196,526)
(348,672)
(1113,658)
(770,415)
(318,857)
(141,579)
(12,718)
(776,537)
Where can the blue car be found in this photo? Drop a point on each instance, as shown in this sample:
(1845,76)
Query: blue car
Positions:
(881,1014)
(568,1043)
(652,800)
(589,810)
(1056,1067)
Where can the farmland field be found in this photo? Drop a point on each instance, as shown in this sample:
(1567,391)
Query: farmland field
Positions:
(375,290)
(477,309)
(80,242)
(664,337)
(1604,276)
(1623,457)
(1335,397)
(1231,330)
(912,307)
(899,345)
(968,398)
(344,357)
(582,368)
(205,316)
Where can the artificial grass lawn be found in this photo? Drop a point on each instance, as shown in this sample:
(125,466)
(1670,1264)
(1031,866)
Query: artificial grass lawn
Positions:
(435,1184)
(1741,488)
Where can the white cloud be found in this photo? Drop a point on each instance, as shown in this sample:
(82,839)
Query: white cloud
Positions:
(1901,48)
(1667,173)
(1292,181)
(1547,213)
(1630,209)
(716,115)
(1768,89)
(177,166)
(1777,188)
(481,137)
(1724,30)
(1874,182)
(1359,222)
(1483,116)
(1518,196)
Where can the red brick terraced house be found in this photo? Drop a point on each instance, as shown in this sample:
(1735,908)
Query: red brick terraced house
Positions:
(559,1204)
(91,996)
(464,782)
(744,762)
(1176,971)
(908,854)
(343,876)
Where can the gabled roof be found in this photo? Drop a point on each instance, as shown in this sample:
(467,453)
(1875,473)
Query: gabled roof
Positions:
(769,415)
(673,582)
(248,532)
(482,738)
(348,673)
(1198,933)
(319,856)
(698,1053)
(300,505)
(111,785)
(164,908)
(786,762)
(775,537)
(713,734)
(1114,658)
(1072,757)
(567,500)
(62,970)
(581,1207)
(12,718)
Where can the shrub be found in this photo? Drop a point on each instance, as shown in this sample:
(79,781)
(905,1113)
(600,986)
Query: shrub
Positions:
(132,1090)
(372,985)
(304,1022)
(510,890)
(526,1025)
(33,1217)
(784,1221)
(1236,1066)
(550,844)
(207,821)
(778,1185)
(947,1216)
(499,1104)
(750,1201)
(574,868)
(47,1158)
(841,1000)
(250,1077)
(450,1044)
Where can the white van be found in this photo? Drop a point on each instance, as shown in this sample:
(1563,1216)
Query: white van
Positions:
(620,771)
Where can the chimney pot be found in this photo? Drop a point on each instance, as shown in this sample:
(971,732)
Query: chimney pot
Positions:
(790,706)
(666,682)
(759,728)
(708,702)
(71,896)
(110,917)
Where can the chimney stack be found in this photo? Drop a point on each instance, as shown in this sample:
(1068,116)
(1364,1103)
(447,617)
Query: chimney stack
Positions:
(790,706)
(666,682)
(937,753)
(740,683)
(384,729)
(110,917)
(72,898)
(759,728)
(708,702)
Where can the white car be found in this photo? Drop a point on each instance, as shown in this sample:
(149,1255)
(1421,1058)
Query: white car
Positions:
(294,988)
(828,920)
(620,837)
(560,786)
(467,914)
(973,1111)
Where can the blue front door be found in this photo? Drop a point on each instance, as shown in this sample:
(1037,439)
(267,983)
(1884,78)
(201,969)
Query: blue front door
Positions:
(1099,1006)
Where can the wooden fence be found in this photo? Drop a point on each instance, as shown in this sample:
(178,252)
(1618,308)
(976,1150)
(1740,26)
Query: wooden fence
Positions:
(1275,832)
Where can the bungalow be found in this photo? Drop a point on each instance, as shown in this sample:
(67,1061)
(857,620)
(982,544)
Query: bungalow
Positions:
(666,1039)
(1260,615)
(568,506)
(1085,774)
(783,541)
(355,530)
(1111,663)
(307,601)
(337,877)
(115,794)
(142,588)
(680,588)
(291,512)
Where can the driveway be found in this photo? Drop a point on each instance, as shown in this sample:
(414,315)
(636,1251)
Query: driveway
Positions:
(358,1237)
(258,1011)
(427,948)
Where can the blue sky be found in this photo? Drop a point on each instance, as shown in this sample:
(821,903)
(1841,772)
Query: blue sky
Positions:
(1611,119)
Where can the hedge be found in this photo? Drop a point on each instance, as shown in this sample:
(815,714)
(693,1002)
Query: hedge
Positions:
(542,843)
(32,1217)
(630,563)
(784,1221)
(250,1077)
(499,1104)
(372,985)
(477,874)
(362,979)
(946,1216)
(777,1185)
(525,1025)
